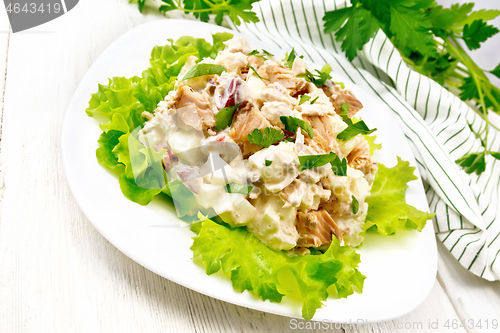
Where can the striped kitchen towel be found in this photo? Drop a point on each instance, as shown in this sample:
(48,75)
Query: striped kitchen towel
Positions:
(434,120)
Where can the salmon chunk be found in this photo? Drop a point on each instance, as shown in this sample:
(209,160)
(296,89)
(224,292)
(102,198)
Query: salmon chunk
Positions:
(324,137)
(194,109)
(245,120)
(287,78)
(359,158)
(340,96)
(316,228)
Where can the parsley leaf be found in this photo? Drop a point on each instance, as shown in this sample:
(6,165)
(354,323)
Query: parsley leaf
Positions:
(224,117)
(411,28)
(267,53)
(341,84)
(361,25)
(495,154)
(468,89)
(336,18)
(318,79)
(315,161)
(238,188)
(496,71)
(292,123)
(477,33)
(268,162)
(339,167)
(204,69)
(355,205)
(265,138)
(473,162)
(140,4)
(257,53)
(290,58)
(257,74)
(314,100)
(253,52)
(355,129)
(303,99)
(204,9)
(344,109)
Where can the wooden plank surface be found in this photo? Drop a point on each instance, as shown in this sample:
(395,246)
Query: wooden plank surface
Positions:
(57,273)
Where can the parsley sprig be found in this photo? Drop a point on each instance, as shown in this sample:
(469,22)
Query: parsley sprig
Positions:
(257,74)
(320,77)
(238,188)
(290,58)
(354,129)
(339,166)
(428,37)
(237,11)
(259,54)
(224,118)
(266,137)
(292,123)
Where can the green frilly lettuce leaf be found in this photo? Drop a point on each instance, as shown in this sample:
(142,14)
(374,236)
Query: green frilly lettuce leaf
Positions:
(270,275)
(118,107)
(387,207)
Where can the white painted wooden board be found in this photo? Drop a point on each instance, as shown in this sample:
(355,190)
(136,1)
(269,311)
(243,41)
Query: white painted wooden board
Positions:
(57,273)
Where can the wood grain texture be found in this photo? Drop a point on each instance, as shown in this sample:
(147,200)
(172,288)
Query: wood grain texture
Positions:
(57,273)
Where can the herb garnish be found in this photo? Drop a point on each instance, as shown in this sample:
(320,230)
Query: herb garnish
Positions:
(355,205)
(339,167)
(303,99)
(255,72)
(292,123)
(428,37)
(355,129)
(238,188)
(290,58)
(265,138)
(204,69)
(224,117)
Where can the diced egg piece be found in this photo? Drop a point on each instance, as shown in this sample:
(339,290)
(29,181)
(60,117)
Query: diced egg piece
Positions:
(232,61)
(299,66)
(347,146)
(276,92)
(352,227)
(185,145)
(284,167)
(233,208)
(237,45)
(274,110)
(308,109)
(274,224)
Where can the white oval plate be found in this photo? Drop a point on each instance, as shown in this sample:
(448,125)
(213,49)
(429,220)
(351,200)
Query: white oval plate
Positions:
(400,269)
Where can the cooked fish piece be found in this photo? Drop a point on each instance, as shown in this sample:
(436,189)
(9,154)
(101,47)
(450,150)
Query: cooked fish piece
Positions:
(246,119)
(324,136)
(316,228)
(336,208)
(287,78)
(193,108)
(359,158)
(340,96)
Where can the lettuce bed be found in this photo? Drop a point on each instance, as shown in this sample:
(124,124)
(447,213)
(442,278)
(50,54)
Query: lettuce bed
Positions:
(249,264)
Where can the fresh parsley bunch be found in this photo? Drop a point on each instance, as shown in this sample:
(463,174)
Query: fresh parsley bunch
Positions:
(428,37)
(237,10)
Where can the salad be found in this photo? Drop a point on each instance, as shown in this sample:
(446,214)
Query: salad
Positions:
(263,156)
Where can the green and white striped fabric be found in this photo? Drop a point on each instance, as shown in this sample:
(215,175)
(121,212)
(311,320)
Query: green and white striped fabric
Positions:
(434,121)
